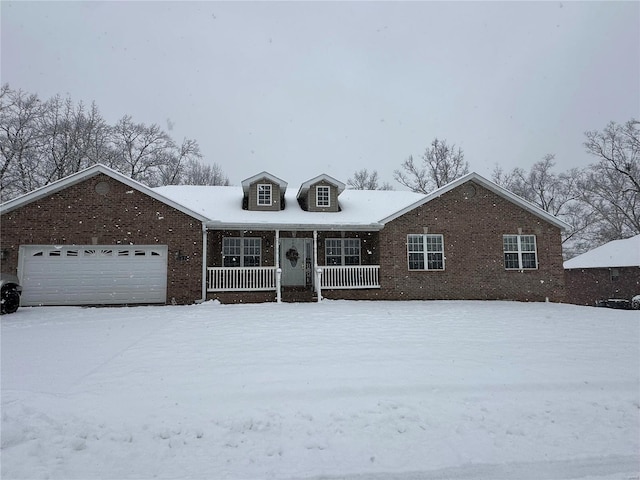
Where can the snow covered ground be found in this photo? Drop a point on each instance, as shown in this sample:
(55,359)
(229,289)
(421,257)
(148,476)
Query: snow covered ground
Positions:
(337,390)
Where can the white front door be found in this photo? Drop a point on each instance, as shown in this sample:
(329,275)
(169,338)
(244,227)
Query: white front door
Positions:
(294,261)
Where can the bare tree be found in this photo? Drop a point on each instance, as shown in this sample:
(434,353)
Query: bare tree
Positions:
(94,140)
(608,195)
(440,164)
(363,180)
(19,139)
(540,185)
(558,194)
(141,150)
(178,160)
(617,148)
(43,141)
(197,173)
(69,135)
(611,187)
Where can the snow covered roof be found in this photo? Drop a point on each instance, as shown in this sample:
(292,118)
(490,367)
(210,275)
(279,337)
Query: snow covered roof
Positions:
(618,253)
(84,175)
(221,207)
(360,209)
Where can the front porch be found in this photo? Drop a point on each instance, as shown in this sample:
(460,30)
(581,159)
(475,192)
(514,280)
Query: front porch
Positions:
(294,264)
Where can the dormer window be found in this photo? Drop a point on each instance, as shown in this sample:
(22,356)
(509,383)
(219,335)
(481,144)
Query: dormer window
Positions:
(323,197)
(320,194)
(264,194)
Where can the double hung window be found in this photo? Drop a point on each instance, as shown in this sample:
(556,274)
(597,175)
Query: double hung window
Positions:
(342,251)
(425,252)
(264,194)
(323,197)
(520,252)
(241,252)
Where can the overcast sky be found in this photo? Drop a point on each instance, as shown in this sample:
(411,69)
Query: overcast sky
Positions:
(304,88)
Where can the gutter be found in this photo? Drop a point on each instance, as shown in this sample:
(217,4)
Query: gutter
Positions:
(218,225)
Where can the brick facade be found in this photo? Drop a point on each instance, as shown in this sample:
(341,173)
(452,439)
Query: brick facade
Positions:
(101,210)
(585,286)
(472,219)
(473,227)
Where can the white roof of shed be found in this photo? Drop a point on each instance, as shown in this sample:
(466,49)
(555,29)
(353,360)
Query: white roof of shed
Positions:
(618,253)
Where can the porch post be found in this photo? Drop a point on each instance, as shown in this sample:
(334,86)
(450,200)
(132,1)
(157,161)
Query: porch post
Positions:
(316,269)
(278,269)
(204,265)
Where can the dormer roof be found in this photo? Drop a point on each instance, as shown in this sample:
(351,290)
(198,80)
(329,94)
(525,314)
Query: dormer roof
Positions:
(263,175)
(304,188)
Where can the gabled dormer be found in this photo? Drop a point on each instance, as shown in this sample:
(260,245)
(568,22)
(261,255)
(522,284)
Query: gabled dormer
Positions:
(263,192)
(320,194)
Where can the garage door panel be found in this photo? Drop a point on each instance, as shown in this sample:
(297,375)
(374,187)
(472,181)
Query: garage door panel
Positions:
(100,274)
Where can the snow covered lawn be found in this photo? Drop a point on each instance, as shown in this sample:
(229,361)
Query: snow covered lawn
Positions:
(355,390)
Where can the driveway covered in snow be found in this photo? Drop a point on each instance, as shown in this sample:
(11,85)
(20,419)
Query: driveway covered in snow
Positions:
(353,390)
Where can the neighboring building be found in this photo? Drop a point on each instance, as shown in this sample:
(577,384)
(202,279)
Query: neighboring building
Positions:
(98,237)
(611,271)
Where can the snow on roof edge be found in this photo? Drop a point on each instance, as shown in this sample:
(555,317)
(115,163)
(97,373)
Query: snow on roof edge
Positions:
(617,253)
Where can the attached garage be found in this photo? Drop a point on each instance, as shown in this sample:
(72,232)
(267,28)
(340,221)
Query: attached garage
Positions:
(93,274)
(98,237)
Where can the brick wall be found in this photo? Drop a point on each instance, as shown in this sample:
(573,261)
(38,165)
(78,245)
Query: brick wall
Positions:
(473,229)
(79,215)
(588,285)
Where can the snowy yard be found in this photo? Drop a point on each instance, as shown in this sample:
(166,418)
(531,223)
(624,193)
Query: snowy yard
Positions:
(349,390)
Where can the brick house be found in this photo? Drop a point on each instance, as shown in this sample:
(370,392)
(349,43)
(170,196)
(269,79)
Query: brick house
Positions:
(610,271)
(98,237)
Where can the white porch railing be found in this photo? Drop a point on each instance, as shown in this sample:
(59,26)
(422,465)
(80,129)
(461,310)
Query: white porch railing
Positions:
(237,279)
(350,276)
(230,279)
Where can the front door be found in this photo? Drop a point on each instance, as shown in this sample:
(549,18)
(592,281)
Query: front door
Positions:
(294,261)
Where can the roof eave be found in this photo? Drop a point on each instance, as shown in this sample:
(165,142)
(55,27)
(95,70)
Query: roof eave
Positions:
(601,267)
(503,192)
(84,175)
(220,225)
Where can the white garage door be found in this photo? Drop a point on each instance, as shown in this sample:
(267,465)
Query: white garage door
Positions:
(92,274)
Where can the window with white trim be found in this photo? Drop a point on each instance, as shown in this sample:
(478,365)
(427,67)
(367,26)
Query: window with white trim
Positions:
(425,251)
(520,252)
(264,194)
(323,196)
(342,251)
(241,252)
